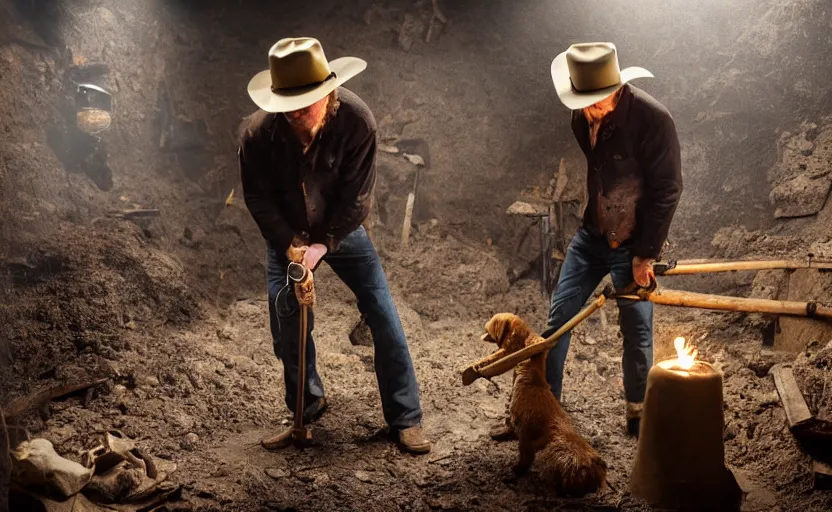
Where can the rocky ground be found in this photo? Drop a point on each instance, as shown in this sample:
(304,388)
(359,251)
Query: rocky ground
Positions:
(200,386)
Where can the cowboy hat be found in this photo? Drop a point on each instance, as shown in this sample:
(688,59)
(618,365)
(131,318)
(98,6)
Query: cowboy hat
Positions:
(586,73)
(299,75)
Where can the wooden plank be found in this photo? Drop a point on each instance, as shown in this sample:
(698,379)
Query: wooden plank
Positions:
(797,411)
(822,476)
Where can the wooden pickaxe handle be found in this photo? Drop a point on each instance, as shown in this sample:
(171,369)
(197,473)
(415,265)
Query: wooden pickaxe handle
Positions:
(492,366)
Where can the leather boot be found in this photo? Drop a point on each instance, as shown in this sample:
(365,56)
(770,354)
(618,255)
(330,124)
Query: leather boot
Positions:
(413,440)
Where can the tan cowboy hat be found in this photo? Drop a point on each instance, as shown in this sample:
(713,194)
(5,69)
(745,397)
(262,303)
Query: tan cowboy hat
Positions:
(586,73)
(299,75)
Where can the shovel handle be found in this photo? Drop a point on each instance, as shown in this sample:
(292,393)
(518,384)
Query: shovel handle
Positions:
(299,405)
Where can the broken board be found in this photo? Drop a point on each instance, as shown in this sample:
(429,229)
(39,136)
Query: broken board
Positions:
(822,476)
(797,412)
(794,334)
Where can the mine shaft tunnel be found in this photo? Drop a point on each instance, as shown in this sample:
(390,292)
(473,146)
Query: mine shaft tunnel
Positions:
(137,340)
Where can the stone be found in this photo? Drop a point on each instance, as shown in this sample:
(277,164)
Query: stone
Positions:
(363,476)
(415,159)
(37,465)
(276,473)
(321,481)
(189,441)
(755,498)
(800,196)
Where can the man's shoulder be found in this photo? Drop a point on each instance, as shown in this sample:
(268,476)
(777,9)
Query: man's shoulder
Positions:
(647,106)
(254,125)
(354,111)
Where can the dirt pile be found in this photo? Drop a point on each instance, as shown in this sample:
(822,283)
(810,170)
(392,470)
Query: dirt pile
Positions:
(74,297)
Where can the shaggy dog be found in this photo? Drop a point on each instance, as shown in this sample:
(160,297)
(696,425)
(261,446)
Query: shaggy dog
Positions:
(566,460)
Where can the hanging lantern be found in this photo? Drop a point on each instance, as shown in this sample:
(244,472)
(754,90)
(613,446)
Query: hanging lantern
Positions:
(93,109)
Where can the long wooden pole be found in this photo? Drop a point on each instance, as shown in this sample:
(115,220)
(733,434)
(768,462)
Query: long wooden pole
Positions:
(301,390)
(721,302)
(704,266)
(491,366)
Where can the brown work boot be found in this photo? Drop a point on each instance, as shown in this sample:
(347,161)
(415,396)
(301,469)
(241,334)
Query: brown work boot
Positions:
(634,410)
(502,431)
(315,411)
(413,440)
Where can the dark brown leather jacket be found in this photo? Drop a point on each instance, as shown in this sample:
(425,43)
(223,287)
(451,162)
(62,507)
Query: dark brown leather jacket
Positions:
(634,173)
(320,196)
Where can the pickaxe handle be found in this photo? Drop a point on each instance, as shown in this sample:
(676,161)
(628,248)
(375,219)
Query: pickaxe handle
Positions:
(299,432)
(492,365)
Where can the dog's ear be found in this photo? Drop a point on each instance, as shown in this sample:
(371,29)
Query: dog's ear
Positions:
(503,330)
(520,331)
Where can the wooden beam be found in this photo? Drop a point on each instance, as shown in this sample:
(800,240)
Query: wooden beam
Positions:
(701,267)
(797,412)
(727,303)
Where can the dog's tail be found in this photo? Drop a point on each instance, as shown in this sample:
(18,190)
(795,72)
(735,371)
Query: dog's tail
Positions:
(572,465)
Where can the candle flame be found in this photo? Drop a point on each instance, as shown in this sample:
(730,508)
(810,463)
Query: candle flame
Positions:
(685,353)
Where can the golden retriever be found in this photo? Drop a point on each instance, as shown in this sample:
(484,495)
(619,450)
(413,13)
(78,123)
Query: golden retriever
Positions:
(542,426)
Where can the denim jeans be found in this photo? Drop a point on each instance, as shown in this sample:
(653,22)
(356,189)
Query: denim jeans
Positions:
(357,264)
(588,259)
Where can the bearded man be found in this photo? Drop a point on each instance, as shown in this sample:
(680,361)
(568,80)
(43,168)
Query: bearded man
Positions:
(634,182)
(307,162)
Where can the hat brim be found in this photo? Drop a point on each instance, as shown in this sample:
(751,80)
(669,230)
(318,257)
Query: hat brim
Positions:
(577,100)
(260,87)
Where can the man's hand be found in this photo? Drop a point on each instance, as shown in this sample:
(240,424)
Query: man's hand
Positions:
(643,271)
(313,254)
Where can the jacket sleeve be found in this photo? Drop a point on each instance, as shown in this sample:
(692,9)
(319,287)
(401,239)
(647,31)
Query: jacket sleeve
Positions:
(259,196)
(356,185)
(661,161)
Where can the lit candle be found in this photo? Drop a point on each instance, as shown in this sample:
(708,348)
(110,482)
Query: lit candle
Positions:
(680,462)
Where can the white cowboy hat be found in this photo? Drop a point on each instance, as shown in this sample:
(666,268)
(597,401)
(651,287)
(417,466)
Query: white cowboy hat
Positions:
(586,73)
(299,75)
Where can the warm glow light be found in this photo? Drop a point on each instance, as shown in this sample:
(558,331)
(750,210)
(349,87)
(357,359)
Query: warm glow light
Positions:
(685,354)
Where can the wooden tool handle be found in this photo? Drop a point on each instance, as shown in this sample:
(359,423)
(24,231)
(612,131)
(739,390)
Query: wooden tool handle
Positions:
(301,389)
(492,366)
(721,302)
(703,266)
(296,251)
(471,373)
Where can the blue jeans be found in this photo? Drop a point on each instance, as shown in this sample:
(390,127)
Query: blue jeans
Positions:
(588,259)
(357,264)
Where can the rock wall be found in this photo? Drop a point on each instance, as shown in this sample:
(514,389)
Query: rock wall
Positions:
(475,100)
